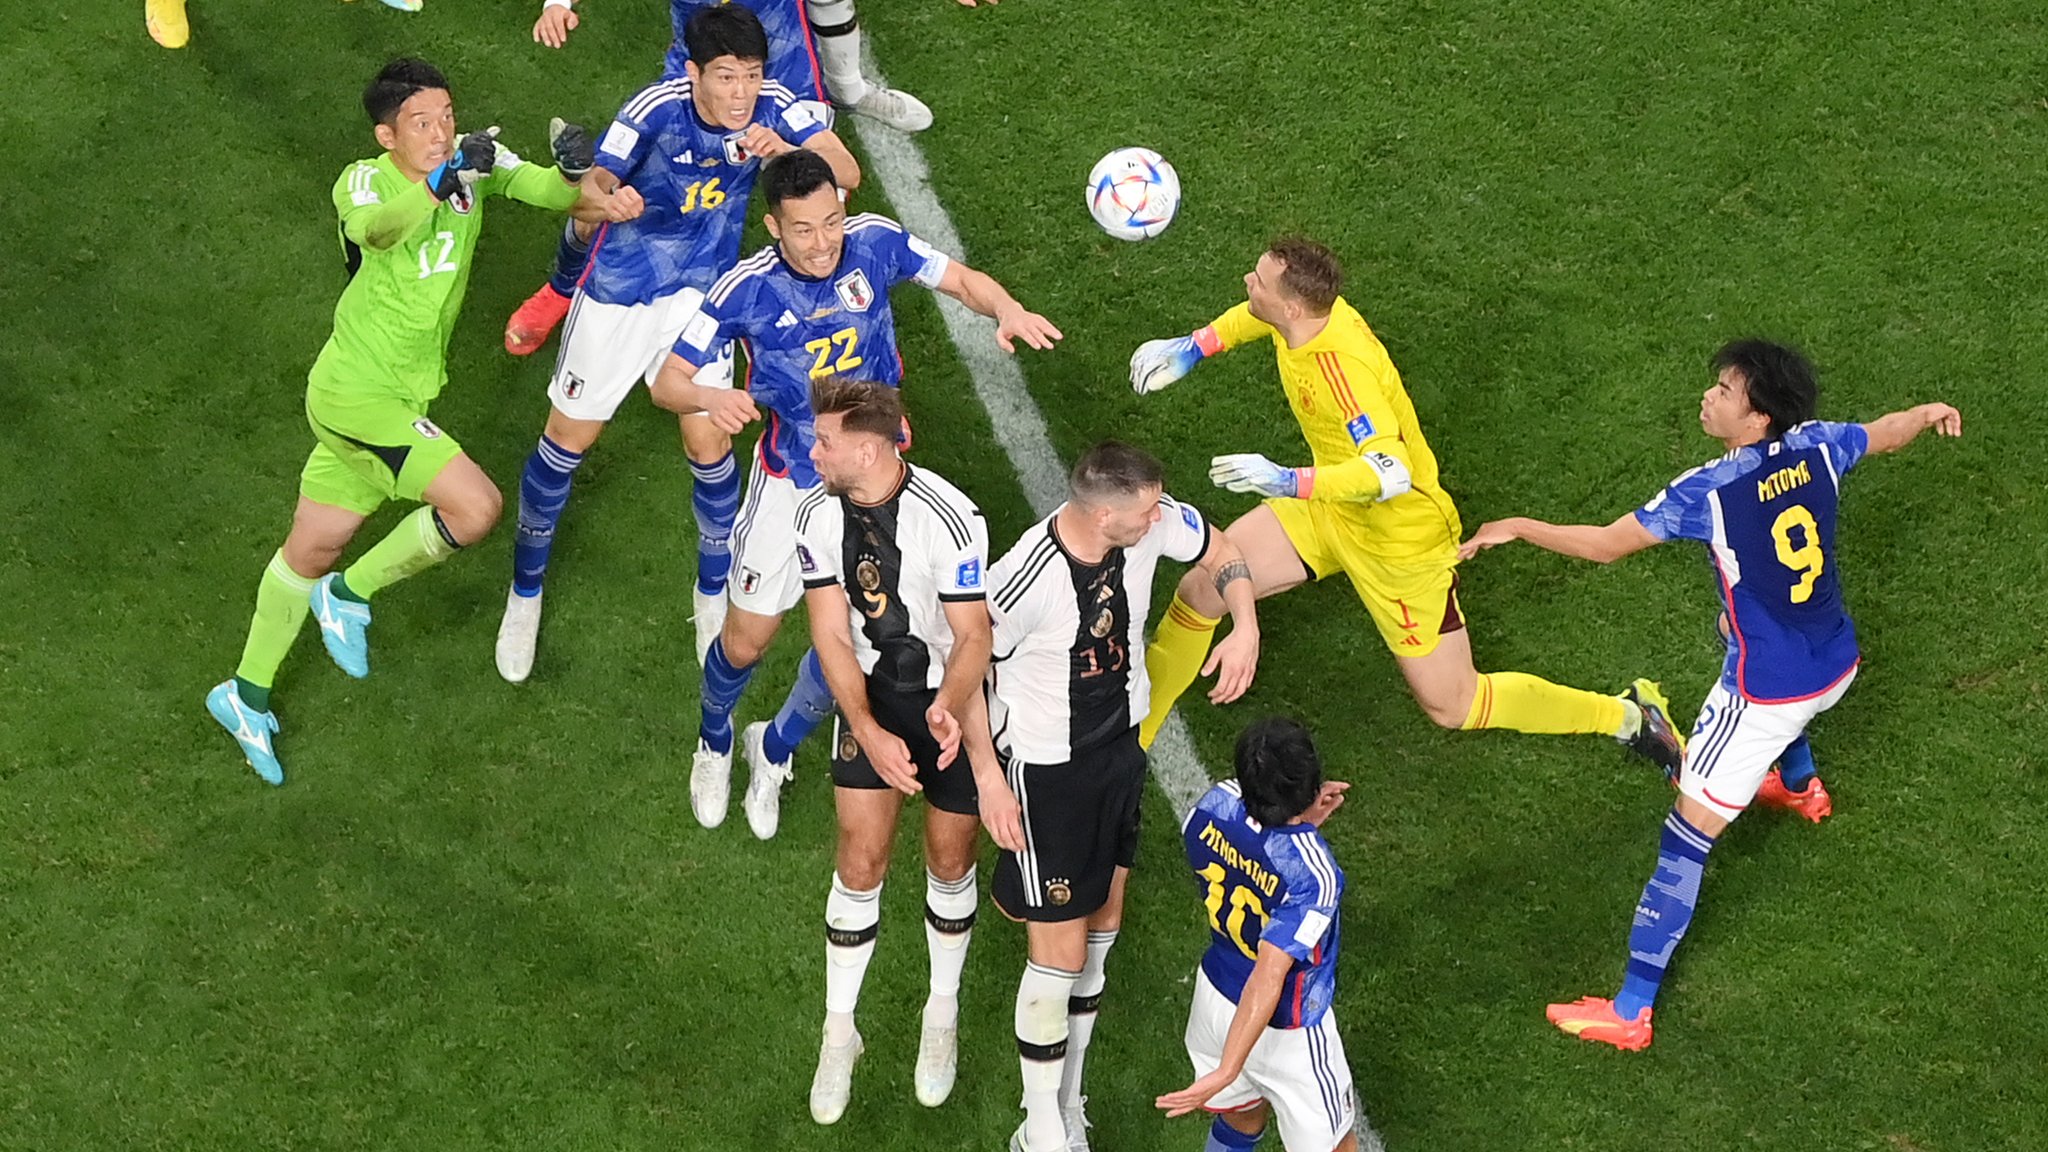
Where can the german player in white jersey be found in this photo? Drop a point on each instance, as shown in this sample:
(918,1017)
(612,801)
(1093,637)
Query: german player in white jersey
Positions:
(893,560)
(1261,1033)
(1057,765)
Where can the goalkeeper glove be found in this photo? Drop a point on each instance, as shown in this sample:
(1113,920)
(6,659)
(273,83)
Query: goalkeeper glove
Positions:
(575,153)
(471,161)
(1158,363)
(1251,472)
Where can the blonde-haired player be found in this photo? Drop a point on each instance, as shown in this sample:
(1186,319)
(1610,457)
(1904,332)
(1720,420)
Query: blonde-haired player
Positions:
(1370,507)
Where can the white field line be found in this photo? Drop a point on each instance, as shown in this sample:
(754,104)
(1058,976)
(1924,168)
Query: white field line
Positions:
(897,163)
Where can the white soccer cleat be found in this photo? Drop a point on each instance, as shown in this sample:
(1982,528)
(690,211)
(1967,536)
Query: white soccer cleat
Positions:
(765,779)
(1019,1144)
(710,785)
(518,633)
(833,1084)
(1076,1120)
(707,617)
(938,1063)
(893,107)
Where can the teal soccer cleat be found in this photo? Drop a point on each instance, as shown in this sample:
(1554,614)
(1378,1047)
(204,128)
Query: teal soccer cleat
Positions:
(344,628)
(250,728)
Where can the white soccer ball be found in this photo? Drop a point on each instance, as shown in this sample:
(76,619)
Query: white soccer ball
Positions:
(1133,193)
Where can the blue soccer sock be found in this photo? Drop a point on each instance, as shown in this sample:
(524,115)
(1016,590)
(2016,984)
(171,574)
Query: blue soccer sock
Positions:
(1663,914)
(715,500)
(1795,764)
(723,685)
(572,256)
(543,490)
(1224,1138)
(809,702)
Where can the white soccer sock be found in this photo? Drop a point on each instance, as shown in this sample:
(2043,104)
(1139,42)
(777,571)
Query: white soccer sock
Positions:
(1081,1008)
(851,920)
(1041,1050)
(948,925)
(837,33)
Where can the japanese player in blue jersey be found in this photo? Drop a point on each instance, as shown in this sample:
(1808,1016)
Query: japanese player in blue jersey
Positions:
(1261,1034)
(1766,512)
(808,65)
(691,146)
(812,304)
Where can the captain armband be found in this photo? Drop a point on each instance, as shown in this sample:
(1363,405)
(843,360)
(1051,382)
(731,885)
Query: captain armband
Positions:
(1394,477)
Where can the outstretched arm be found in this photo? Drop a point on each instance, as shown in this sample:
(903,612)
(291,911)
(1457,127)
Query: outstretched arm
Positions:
(1895,431)
(1602,545)
(979,291)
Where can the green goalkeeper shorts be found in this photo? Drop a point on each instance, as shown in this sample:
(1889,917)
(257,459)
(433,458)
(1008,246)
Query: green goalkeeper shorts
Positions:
(371,449)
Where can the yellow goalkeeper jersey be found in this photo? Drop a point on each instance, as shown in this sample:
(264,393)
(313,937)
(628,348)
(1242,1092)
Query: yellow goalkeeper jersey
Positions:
(1351,406)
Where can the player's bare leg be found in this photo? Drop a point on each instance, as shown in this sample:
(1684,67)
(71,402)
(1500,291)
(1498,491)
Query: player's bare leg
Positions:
(1180,645)
(715,503)
(853,912)
(241,704)
(727,667)
(950,901)
(543,492)
(1455,694)
(535,319)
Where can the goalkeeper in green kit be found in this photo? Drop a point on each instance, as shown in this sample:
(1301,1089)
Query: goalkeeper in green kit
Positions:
(409,225)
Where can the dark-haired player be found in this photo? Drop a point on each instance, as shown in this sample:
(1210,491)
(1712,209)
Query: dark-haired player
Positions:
(410,219)
(692,147)
(1370,506)
(1261,1034)
(1766,512)
(1057,766)
(814,303)
(799,61)
(893,560)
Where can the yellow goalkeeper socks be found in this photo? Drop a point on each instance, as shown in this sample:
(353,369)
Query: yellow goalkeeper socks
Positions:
(1525,703)
(1173,661)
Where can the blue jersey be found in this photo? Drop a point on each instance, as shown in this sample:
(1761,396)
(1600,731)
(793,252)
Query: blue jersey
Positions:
(1767,515)
(796,329)
(695,179)
(792,58)
(1279,885)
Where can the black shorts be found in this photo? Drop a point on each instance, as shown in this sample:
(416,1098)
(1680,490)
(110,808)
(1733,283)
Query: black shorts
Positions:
(1080,825)
(949,789)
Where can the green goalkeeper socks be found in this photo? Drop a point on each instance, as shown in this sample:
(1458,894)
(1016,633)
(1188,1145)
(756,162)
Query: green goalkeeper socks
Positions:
(415,545)
(281,606)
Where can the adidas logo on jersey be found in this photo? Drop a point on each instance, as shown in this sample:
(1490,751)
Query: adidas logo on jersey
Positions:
(788,319)
(688,157)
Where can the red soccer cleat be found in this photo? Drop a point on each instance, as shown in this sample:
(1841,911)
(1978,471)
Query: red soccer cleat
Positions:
(1814,804)
(1591,1018)
(535,320)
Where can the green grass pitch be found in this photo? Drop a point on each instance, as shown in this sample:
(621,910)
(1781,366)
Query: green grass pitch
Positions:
(480,916)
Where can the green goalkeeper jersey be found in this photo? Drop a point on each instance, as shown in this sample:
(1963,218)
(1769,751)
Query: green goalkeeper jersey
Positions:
(408,257)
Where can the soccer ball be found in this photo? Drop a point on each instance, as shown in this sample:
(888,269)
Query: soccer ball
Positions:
(1133,193)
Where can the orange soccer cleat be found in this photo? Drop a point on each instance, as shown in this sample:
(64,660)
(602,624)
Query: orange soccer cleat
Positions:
(1592,1018)
(535,320)
(1814,804)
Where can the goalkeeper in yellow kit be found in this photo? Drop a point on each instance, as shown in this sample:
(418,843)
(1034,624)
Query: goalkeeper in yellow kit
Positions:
(1369,507)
